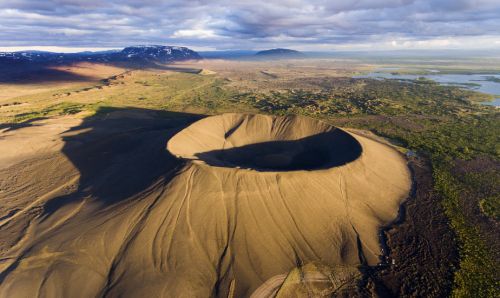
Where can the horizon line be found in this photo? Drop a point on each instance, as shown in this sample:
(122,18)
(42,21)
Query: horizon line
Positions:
(64,49)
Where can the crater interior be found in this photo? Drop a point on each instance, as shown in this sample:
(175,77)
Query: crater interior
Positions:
(265,143)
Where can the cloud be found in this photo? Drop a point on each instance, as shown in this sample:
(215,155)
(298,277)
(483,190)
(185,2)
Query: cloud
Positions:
(224,24)
(197,33)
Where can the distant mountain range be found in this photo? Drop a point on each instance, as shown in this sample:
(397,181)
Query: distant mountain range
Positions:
(146,55)
(133,54)
(138,56)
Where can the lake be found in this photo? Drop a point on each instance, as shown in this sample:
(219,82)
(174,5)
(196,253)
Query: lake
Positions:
(480,81)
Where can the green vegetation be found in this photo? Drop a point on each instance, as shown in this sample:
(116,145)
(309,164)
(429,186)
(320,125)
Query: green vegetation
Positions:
(63,108)
(477,275)
(491,207)
(372,97)
(486,184)
(439,122)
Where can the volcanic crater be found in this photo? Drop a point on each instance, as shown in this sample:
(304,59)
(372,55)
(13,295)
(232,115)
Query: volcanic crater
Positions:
(256,205)
(252,142)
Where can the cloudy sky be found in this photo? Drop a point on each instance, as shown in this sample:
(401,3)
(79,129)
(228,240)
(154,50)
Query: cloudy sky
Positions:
(251,24)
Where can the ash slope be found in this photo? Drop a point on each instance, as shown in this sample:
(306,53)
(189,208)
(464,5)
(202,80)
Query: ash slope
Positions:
(214,228)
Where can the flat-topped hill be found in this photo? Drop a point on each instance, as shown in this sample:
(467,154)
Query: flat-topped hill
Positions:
(280,53)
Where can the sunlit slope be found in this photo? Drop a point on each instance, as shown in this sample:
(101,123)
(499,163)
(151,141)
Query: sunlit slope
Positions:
(304,193)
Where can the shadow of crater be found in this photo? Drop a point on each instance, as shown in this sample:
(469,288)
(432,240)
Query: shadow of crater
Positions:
(320,151)
(121,153)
